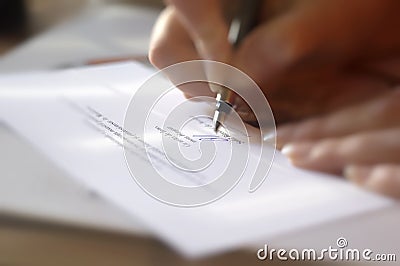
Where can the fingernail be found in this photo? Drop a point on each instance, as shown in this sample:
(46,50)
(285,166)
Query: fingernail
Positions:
(357,174)
(297,152)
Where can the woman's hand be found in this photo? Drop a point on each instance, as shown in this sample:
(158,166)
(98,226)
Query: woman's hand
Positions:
(308,57)
(362,142)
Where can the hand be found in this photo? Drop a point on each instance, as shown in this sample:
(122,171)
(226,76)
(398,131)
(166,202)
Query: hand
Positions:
(308,57)
(362,142)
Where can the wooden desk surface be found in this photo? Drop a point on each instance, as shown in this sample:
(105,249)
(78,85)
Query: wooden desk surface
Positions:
(23,243)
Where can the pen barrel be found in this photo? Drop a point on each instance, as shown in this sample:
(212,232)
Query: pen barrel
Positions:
(247,19)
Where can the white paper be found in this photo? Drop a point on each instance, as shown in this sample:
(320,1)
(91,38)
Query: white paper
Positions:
(55,112)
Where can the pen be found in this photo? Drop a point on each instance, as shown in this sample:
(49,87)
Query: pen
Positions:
(240,27)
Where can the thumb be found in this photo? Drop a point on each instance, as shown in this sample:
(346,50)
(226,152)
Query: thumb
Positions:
(208,29)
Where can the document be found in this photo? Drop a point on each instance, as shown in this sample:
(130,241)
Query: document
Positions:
(76,118)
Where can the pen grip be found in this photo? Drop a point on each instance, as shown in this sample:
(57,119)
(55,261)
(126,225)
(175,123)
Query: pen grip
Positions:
(248,18)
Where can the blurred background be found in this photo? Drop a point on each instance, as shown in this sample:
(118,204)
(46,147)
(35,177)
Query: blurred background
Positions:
(21,19)
(82,30)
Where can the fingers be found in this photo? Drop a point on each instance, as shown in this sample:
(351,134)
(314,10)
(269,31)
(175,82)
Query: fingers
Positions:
(205,23)
(376,114)
(170,43)
(333,155)
(384,179)
(363,142)
(177,38)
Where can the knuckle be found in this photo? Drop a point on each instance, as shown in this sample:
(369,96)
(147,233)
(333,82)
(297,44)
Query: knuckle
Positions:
(157,55)
(385,179)
(386,172)
(355,143)
(325,148)
(382,176)
(309,129)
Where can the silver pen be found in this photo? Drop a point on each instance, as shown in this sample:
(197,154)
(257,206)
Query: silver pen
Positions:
(240,27)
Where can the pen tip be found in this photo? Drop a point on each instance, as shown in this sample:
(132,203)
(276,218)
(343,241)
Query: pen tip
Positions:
(217,126)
